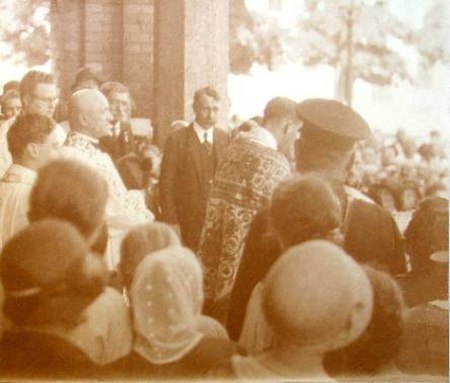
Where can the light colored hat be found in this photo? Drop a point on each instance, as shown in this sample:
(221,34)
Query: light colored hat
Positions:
(317,296)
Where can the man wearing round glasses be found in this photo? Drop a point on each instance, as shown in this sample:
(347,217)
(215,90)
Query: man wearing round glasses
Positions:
(39,95)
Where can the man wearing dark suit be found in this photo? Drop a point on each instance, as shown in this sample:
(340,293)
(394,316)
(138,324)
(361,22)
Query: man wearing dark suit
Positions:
(191,157)
(121,140)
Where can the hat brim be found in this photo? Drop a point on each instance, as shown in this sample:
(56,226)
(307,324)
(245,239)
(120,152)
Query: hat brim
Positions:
(334,117)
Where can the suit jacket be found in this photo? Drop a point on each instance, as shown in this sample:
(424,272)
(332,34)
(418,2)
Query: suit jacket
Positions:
(119,146)
(183,187)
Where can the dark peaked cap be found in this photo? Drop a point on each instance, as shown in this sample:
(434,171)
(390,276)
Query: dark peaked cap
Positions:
(328,136)
(330,122)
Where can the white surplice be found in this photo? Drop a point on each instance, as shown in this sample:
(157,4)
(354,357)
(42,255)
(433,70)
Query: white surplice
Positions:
(129,204)
(5,155)
(125,208)
(15,188)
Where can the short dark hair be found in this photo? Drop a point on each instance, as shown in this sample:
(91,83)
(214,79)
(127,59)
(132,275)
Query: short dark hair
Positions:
(70,191)
(280,106)
(110,87)
(113,86)
(10,85)
(380,342)
(32,79)
(8,95)
(206,91)
(304,208)
(27,129)
(427,233)
(86,74)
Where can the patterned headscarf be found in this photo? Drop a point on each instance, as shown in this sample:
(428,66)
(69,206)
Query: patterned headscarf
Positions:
(167,298)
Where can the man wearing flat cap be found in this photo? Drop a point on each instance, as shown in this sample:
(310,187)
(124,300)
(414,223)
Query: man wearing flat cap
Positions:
(329,134)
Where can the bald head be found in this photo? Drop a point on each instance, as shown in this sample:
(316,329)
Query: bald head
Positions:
(89,113)
(317,297)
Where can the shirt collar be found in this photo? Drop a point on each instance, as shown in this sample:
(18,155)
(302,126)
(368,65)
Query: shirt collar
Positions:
(200,132)
(115,131)
(19,173)
(92,140)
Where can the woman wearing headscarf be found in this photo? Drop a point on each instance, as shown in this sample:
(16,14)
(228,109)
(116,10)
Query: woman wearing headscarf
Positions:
(59,311)
(167,297)
(146,239)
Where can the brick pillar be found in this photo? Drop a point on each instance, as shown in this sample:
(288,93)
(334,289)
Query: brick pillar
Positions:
(137,58)
(114,37)
(66,41)
(191,51)
(103,33)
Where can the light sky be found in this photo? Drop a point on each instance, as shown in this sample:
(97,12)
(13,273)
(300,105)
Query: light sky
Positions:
(409,11)
(416,109)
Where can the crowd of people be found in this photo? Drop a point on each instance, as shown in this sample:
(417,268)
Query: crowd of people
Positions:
(397,172)
(265,252)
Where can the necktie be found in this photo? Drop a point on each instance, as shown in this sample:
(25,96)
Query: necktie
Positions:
(206,144)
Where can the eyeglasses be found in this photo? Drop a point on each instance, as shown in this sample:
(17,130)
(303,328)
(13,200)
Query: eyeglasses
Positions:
(46,100)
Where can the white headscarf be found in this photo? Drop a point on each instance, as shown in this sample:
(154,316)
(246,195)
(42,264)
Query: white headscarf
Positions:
(167,298)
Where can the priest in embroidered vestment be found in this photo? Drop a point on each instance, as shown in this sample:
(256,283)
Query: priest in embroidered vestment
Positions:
(253,166)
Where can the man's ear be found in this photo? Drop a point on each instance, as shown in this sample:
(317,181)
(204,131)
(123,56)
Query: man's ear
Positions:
(26,99)
(82,119)
(32,150)
(357,322)
(351,160)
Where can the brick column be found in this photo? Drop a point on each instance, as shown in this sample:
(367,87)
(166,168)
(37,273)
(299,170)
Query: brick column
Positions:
(103,33)
(191,51)
(137,72)
(66,41)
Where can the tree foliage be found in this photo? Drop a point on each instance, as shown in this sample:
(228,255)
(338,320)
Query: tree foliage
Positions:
(25,30)
(256,38)
(433,40)
(323,39)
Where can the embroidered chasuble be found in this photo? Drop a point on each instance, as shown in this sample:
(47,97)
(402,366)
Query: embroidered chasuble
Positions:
(243,184)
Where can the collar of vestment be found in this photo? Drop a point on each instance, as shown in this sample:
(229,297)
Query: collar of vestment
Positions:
(262,136)
(200,132)
(81,137)
(91,139)
(19,174)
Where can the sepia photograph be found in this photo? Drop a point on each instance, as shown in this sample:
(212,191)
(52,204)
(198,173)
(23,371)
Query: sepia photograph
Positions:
(224,190)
